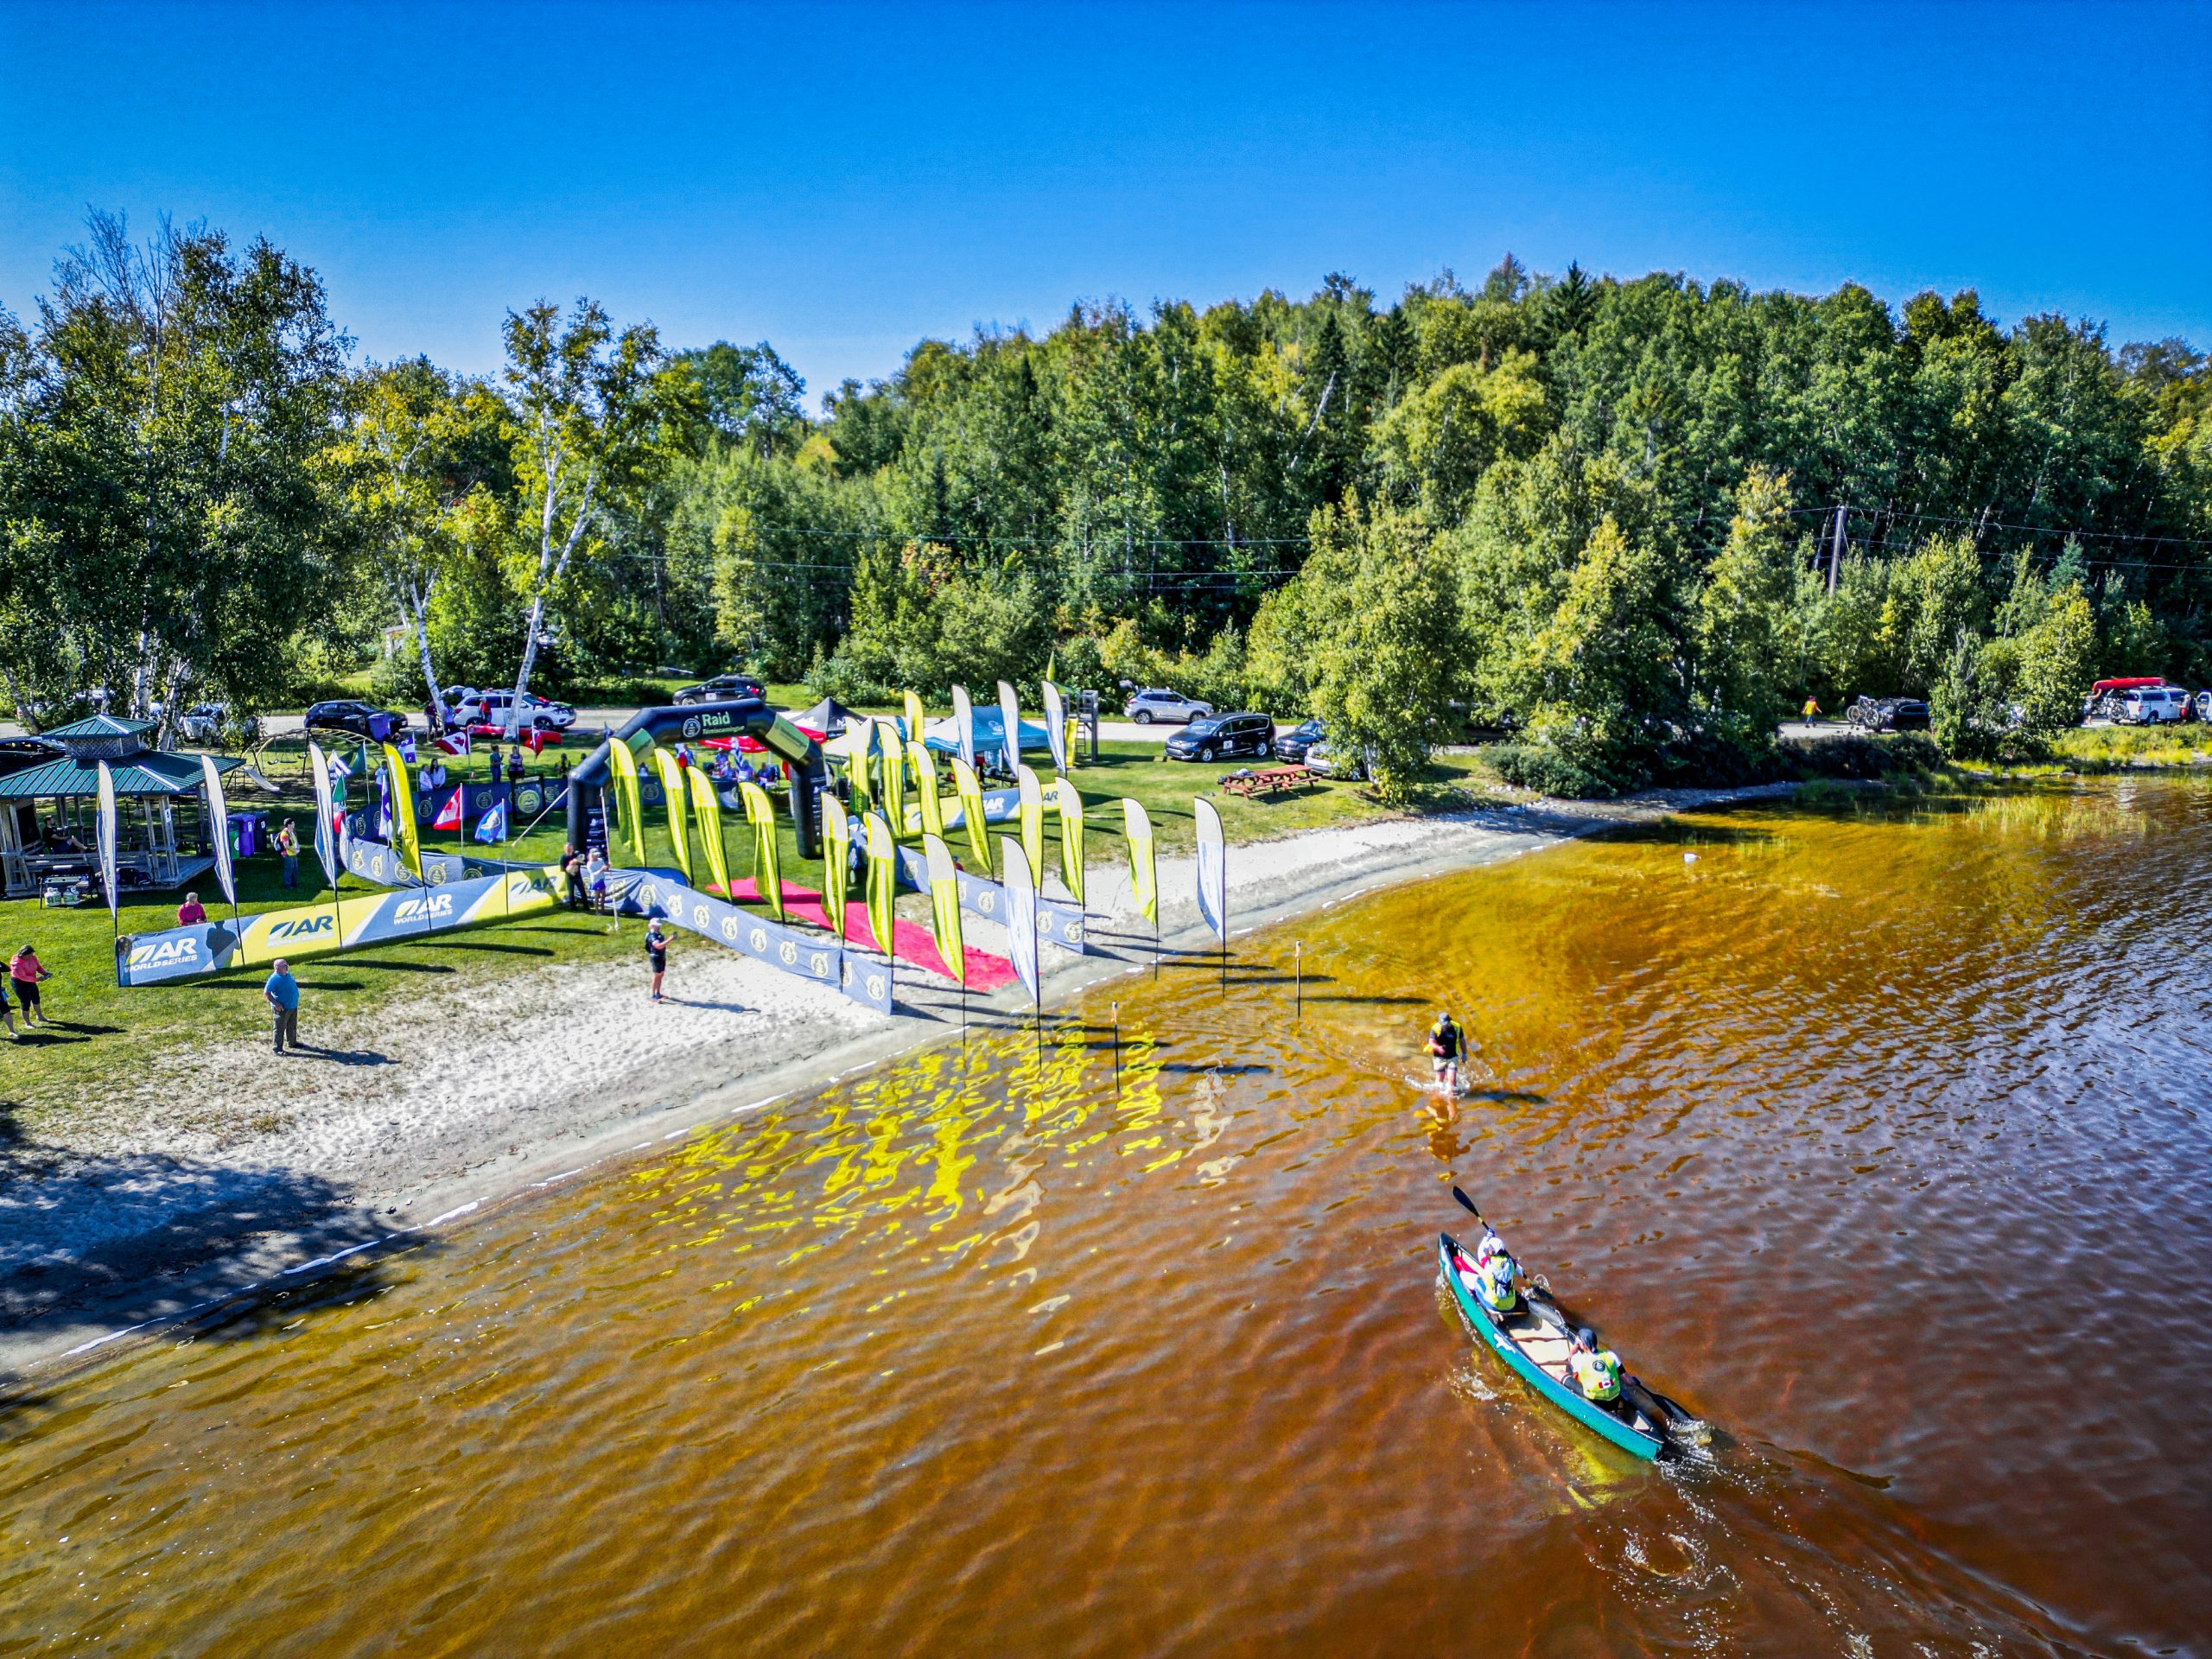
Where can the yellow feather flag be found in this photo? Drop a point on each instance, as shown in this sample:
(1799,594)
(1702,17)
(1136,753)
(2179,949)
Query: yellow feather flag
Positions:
(891,764)
(707,812)
(405,841)
(923,765)
(1070,802)
(944,907)
(1032,817)
(860,744)
(837,861)
(767,864)
(968,792)
(672,788)
(882,882)
(913,718)
(626,791)
(1144,861)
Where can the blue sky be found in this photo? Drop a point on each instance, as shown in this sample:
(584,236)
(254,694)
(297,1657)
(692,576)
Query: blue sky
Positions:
(845,180)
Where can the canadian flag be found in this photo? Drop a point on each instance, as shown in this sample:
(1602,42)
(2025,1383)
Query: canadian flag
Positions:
(453,743)
(448,815)
(534,740)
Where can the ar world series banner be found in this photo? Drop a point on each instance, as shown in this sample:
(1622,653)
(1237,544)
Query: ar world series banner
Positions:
(808,955)
(324,930)
(1059,922)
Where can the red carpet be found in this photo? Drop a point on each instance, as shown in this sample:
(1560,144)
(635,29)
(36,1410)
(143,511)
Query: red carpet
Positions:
(915,942)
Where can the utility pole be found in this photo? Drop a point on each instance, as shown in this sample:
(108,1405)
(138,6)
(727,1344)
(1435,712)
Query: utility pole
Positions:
(1835,547)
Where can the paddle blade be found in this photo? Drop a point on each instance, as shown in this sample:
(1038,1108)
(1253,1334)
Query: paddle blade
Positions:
(1469,1204)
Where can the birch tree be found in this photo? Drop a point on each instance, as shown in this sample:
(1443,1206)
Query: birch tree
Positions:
(589,408)
(418,448)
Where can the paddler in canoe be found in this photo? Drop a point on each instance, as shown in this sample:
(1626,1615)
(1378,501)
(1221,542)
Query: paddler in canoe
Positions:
(1525,1327)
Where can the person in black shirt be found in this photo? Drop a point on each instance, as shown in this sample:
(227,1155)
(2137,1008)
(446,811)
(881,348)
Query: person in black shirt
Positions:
(1447,1047)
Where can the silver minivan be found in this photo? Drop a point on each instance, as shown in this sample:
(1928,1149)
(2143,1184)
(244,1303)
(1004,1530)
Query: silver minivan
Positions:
(1145,706)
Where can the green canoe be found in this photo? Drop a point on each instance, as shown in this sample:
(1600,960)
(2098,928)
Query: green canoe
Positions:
(1537,1350)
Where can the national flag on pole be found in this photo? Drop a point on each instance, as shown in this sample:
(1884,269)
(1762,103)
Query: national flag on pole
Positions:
(448,815)
(493,826)
(455,743)
(407,747)
(340,770)
(534,740)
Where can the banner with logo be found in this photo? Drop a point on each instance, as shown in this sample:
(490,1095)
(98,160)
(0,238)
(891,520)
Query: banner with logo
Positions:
(806,955)
(968,789)
(323,930)
(963,733)
(326,819)
(1070,803)
(1010,726)
(707,812)
(914,711)
(929,808)
(891,768)
(1021,916)
(670,773)
(882,883)
(218,823)
(1057,922)
(1144,859)
(767,865)
(405,841)
(1213,870)
(106,838)
(1056,726)
(837,861)
(625,766)
(944,906)
(1032,819)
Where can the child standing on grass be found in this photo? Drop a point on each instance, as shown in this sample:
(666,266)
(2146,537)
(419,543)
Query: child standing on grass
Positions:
(25,972)
(7,1019)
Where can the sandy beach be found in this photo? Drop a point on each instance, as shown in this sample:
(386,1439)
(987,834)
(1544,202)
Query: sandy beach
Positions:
(224,1175)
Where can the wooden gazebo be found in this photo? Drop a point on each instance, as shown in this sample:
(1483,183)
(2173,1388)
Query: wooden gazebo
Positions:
(49,826)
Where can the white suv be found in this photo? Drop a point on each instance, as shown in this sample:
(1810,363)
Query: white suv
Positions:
(1145,706)
(2153,705)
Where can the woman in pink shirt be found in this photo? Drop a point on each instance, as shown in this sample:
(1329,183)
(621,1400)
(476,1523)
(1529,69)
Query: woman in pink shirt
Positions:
(191,911)
(24,973)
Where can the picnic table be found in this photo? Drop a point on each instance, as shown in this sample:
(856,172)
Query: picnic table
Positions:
(1270,780)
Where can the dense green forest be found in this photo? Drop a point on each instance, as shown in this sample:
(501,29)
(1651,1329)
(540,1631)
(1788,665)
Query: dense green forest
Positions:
(1629,524)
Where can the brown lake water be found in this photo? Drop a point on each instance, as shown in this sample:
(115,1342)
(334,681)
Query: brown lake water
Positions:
(1877,1135)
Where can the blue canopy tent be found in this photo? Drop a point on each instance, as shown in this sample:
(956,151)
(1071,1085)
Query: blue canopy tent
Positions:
(942,736)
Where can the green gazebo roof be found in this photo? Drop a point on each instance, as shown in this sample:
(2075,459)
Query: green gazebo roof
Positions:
(150,772)
(100,726)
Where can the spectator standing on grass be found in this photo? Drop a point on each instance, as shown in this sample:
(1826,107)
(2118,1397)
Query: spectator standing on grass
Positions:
(655,953)
(282,992)
(572,880)
(514,766)
(595,879)
(7,1019)
(24,973)
(191,913)
(287,848)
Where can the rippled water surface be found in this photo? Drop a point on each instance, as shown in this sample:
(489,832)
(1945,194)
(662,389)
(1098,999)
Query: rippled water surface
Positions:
(1876,1136)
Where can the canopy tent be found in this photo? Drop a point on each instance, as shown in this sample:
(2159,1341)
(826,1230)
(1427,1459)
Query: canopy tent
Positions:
(828,717)
(943,735)
(161,811)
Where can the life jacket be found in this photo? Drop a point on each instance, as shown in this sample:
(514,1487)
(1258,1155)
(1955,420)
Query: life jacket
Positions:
(1495,1284)
(1598,1373)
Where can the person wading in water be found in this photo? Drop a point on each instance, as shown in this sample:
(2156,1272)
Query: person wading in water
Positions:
(1447,1047)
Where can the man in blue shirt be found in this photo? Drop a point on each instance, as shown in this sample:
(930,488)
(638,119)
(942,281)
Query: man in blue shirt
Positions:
(282,992)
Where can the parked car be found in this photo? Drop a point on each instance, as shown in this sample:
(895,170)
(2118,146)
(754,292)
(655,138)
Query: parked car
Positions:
(463,703)
(2203,706)
(1294,744)
(1218,737)
(362,719)
(491,711)
(2152,705)
(209,722)
(1324,762)
(1146,706)
(2107,699)
(723,688)
(1887,715)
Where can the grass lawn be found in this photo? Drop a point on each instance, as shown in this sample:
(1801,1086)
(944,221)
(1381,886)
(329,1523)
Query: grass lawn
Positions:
(2172,745)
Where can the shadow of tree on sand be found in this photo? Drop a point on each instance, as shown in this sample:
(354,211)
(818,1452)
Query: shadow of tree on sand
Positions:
(114,1240)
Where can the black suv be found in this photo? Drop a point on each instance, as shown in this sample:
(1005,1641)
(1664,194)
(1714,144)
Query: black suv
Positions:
(362,719)
(1218,737)
(723,688)
(1293,744)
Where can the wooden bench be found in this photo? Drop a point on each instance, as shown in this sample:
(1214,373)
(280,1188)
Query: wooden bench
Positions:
(1272,780)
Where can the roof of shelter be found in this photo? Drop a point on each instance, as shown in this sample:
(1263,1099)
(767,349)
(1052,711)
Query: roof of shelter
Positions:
(151,771)
(100,726)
